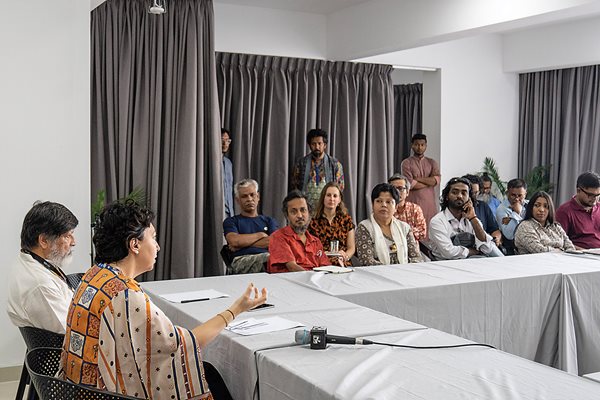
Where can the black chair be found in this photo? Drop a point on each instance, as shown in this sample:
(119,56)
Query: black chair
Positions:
(227,257)
(43,363)
(75,279)
(34,338)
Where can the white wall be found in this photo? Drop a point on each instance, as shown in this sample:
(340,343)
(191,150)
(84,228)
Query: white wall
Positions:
(383,26)
(553,47)
(478,109)
(406,76)
(44,125)
(254,30)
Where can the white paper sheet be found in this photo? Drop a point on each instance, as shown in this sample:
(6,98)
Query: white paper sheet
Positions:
(254,326)
(193,296)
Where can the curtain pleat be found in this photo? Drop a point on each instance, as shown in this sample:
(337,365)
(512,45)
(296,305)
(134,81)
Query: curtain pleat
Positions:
(270,103)
(155,125)
(408,119)
(559,125)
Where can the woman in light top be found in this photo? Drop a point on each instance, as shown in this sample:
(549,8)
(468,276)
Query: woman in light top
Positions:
(333,223)
(117,339)
(538,233)
(383,239)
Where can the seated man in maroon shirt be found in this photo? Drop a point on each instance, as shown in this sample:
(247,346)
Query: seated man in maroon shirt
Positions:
(292,248)
(580,216)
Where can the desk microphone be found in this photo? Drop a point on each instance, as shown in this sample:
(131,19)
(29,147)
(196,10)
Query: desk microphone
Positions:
(318,338)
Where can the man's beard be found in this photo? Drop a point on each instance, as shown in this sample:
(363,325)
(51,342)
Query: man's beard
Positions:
(300,230)
(485,197)
(456,204)
(58,258)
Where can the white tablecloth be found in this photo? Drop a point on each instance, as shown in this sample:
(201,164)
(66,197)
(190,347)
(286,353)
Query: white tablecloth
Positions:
(513,303)
(235,354)
(378,372)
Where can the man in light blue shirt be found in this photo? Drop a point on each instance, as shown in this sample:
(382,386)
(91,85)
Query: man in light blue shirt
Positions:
(227,175)
(512,211)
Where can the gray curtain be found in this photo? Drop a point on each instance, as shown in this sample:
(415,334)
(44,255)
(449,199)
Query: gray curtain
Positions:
(559,124)
(408,119)
(155,125)
(270,103)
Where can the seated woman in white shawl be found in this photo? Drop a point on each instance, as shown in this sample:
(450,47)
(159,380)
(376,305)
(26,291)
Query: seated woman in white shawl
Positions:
(383,239)
(117,339)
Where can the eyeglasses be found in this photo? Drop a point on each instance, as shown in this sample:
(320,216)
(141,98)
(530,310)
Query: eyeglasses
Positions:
(400,188)
(590,195)
(226,141)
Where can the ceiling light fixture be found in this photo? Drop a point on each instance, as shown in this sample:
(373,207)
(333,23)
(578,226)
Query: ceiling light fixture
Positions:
(428,69)
(158,7)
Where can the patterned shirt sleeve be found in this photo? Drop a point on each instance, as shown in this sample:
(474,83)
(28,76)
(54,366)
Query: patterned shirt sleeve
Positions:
(567,244)
(339,175)
(135,333)
(365,247)
(296,175)
(420,225)
(414,254)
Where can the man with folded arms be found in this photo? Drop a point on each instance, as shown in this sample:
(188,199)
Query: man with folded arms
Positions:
(39,294)
(293,248)
(248,233)
(580,216)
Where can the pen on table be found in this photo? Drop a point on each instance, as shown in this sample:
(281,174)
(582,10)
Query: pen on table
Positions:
(193,300)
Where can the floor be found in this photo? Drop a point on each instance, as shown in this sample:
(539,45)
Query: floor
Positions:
(8,390)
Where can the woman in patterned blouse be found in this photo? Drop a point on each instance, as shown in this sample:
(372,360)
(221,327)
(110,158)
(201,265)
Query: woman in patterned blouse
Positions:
(538,233)
(383,239)
(117,339)
(333,223)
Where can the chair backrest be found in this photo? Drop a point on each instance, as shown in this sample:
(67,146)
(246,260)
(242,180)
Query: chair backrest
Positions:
(74,279)
(43,364)
(36,337)
(227,257)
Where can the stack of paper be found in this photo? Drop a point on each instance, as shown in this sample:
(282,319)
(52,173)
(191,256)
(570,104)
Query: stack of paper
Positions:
(253,326)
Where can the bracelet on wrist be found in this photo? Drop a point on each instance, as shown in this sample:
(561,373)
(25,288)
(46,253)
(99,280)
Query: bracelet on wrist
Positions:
(224,319)
(472,218)
(230,312)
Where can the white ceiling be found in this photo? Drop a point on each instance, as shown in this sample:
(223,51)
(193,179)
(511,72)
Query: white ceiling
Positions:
(310,6)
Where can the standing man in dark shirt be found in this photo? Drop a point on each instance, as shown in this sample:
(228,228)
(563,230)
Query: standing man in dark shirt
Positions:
(315,170)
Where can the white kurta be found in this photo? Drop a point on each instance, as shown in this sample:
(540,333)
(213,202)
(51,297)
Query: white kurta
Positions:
(37,297)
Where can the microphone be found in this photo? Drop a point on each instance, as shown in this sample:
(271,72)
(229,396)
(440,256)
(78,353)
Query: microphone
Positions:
(317,337)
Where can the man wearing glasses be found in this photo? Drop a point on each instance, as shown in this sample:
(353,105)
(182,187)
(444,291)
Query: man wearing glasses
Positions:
(580,216)
(406,211)
(511,212)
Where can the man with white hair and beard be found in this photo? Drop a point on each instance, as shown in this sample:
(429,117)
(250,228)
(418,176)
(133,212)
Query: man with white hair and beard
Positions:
(39,294)
(292,248)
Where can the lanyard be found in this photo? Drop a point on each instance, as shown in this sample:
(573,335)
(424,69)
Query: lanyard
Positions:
(49,266)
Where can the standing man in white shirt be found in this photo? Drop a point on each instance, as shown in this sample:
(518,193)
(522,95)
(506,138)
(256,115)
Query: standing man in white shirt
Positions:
(39,294)
(456,232)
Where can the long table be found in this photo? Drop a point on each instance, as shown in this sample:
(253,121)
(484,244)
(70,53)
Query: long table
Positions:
(236,354)
(541,307)
(379,372)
